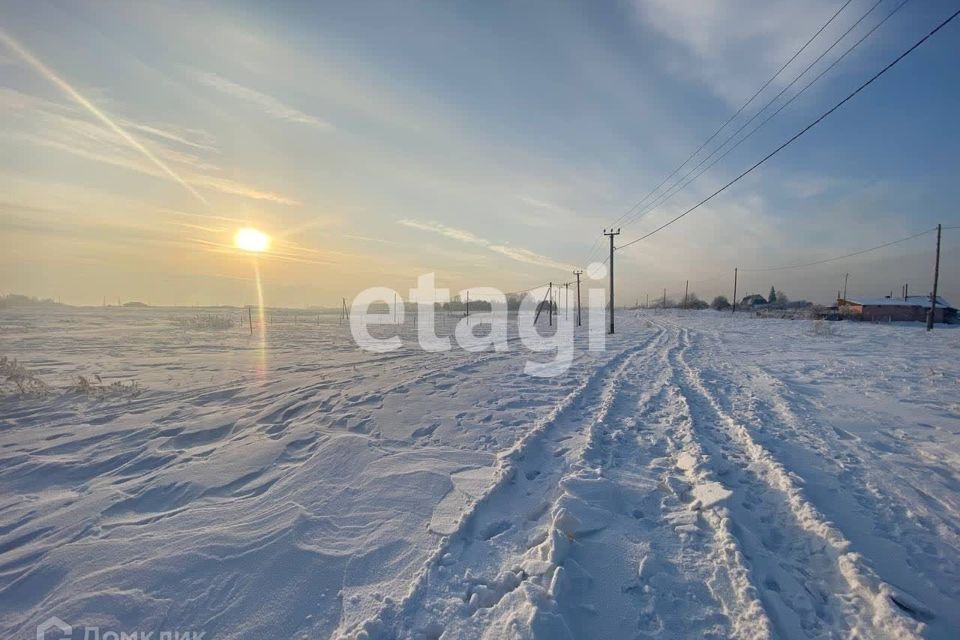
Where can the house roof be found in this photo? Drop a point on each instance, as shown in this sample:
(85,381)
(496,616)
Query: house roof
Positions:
(911,301)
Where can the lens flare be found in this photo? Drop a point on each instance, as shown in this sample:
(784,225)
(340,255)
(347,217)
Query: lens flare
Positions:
(252,240)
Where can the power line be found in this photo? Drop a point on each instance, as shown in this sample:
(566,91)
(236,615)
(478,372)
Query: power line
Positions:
(520,291)
(740,110)
(847,255)
(683,182)
(863,86)
(729,120)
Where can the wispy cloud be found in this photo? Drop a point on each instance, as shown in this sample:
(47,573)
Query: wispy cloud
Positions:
(369,239)
(187,137)
(270,105)
(65,128)
(444,230)
(514,253)
(542,204)
(232,187)
(731,47)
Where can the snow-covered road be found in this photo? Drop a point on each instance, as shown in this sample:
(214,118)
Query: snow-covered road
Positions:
(705,476)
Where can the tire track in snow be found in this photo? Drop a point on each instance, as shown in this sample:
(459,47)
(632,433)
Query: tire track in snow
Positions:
(653,556)
(450,590)
(813,586)
(879,500)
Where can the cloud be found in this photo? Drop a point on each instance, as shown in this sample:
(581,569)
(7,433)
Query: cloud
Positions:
(529,257)
(270,105)
(188,137)
(444,230)
(369,239)
(514,253)
(65,128)
(232,187)
(732,47)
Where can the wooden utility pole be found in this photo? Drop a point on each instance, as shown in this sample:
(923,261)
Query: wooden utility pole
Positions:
(734,290)
(846,277)
(540,306)
(250,318)
(611,234)
(468,303)
(664,303)
(577,273)
(936,281)
(686,291)
(566,300)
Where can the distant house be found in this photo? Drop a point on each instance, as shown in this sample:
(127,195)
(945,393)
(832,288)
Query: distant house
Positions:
(753,300)
(909,308)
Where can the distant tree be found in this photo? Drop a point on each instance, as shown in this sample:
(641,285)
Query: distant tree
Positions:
(720,303)
(17,300)
(772,298)
(477,306)
(782,298)
(694,302)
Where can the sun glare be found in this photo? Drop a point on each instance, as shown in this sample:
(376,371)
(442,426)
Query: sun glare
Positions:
(250,239)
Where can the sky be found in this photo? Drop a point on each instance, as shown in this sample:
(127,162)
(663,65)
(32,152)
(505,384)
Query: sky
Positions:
(490,143)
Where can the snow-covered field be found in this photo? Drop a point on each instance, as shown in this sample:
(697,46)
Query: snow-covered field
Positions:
(705,476)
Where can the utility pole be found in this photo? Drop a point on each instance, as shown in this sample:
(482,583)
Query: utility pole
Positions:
(611,234)
(566,300)
(250,318)
(936,280)
(550,307)
(540,306)
(468,304)
(686,290)
(734,290)
(846,276)
(577,273)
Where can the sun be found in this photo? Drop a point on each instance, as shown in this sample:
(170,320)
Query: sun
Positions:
(252,240)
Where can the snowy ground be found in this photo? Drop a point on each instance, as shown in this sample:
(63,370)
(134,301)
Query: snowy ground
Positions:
(705,476)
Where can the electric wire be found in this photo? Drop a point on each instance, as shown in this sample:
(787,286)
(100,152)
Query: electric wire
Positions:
(683,182)
(680,186)
(800,133)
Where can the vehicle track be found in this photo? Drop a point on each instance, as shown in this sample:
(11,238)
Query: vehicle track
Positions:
(661,561)
(482,561)
(813,586)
